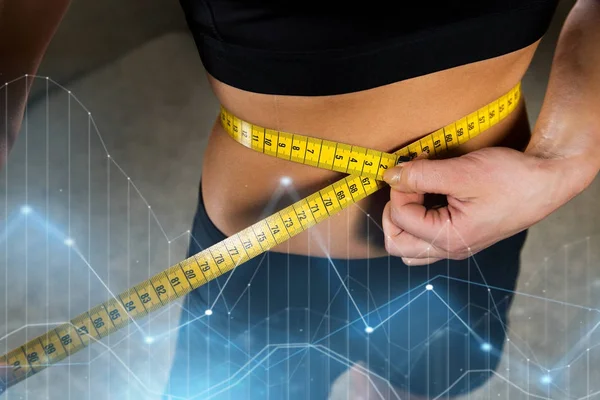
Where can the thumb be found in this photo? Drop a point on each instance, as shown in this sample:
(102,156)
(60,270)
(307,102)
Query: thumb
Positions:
(425,176)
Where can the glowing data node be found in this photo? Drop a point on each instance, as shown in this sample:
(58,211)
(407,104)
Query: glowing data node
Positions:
(286,181)
(149,340)
(26,209)
(546,379)
(429,287)
(208,312)
(486,347)
(69,242)
(369,329)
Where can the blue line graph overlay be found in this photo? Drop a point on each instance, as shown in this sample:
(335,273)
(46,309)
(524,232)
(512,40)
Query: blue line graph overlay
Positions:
(81,254)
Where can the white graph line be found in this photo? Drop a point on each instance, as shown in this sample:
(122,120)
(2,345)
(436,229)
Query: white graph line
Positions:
(82,257)
(332,264)
(490,371)
(245,289)
(400,309)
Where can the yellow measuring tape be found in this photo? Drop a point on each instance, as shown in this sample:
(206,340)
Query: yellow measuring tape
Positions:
(366,168)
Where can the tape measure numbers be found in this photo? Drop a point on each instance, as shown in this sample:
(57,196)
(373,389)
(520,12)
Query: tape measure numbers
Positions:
(366,168)
(357,160)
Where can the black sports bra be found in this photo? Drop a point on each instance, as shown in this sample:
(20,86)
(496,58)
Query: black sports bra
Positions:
(312,48)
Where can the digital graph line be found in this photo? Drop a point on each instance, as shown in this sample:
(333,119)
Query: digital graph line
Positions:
(293,354)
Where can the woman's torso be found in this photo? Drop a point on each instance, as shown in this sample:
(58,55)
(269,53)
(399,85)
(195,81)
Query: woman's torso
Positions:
(288,70)
(237,192)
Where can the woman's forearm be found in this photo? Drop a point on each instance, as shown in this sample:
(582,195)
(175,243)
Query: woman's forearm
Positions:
(569,123)
(26,27)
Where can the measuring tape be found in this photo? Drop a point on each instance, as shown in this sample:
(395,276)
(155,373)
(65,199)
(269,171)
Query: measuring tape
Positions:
(365,168)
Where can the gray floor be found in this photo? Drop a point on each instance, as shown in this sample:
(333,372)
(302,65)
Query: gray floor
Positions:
(151,110)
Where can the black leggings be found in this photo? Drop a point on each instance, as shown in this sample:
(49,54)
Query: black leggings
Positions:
(285,324)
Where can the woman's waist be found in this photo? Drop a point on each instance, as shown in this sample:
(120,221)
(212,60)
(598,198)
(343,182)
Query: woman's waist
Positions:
(241,186)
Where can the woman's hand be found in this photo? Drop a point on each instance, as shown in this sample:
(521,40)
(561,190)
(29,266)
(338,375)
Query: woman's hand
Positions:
(492,193)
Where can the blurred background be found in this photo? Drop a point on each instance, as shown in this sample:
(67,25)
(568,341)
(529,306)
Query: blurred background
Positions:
(103,200)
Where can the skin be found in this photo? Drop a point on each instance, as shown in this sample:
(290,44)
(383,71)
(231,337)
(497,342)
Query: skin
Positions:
(486,200)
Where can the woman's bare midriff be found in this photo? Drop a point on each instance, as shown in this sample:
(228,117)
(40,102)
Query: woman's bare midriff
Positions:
(240,186)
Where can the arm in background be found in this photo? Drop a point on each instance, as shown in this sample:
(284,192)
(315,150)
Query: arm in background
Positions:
(569,123)
(26,28)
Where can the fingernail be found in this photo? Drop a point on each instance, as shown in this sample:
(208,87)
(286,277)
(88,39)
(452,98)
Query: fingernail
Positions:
(392,175)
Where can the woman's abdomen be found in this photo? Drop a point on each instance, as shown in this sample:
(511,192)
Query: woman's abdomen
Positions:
(240,186)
